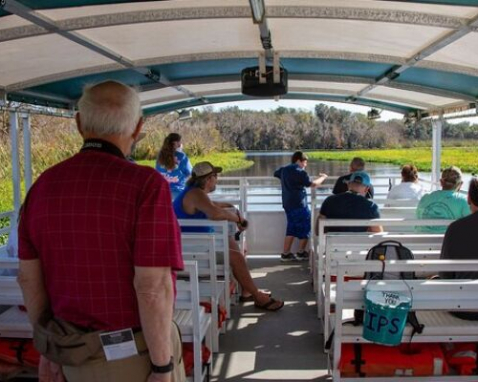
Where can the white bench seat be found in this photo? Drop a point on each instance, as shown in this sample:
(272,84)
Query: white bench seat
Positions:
(440,326)
(192,319)
(432,301)
(355,246)
(205,289)
(14,324)
(184,319)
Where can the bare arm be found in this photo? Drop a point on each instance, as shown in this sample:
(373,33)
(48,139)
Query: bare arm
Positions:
(223,204)
(376,229)
(30,278)
(211,209)
(318,181)
(155,294)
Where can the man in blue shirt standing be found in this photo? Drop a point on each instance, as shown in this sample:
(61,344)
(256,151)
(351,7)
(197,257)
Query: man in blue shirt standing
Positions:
(294,179)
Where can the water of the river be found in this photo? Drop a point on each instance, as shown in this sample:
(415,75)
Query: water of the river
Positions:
(265,163)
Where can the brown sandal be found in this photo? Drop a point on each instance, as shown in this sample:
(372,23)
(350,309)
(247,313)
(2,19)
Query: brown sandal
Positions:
(251,298)
(269,305)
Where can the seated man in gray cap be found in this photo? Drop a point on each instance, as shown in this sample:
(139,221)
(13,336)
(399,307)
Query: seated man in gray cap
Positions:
(194,203)
(351,205)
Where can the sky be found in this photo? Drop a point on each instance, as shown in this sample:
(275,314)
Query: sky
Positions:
(267,105)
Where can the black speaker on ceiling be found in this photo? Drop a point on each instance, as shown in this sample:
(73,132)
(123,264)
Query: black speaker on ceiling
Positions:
(252,87)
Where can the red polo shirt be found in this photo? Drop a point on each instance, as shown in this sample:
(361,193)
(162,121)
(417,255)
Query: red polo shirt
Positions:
(90,220)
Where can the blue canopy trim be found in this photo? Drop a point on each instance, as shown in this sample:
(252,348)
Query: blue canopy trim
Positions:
(66,92)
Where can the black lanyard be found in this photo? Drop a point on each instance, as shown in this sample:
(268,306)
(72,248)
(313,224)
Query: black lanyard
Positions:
(103,146)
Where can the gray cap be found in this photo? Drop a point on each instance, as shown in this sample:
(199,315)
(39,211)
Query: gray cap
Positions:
(205,168)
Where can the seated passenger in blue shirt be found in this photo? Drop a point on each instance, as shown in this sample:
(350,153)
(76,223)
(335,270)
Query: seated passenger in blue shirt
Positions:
(194,203)
(351,205)
(173,164)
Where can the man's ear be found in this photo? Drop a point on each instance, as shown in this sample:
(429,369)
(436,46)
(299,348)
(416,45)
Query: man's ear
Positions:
(78,123)
(138,128)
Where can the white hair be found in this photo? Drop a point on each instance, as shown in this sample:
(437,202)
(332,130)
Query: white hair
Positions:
(112,111)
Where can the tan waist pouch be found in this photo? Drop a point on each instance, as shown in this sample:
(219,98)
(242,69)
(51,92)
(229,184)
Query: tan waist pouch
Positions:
(66,344)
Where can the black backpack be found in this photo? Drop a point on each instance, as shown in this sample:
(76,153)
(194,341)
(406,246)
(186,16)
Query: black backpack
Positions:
(386,250)
(390,250)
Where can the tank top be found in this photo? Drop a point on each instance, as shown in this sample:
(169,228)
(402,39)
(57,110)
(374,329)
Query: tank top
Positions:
(181,214)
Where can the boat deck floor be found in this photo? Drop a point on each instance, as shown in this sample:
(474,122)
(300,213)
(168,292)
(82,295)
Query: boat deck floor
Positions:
(264,346)
(274,346)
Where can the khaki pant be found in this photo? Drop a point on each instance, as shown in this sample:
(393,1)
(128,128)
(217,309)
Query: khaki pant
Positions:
(133,369)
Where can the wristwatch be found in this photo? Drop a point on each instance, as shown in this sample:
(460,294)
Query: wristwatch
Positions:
(163,369)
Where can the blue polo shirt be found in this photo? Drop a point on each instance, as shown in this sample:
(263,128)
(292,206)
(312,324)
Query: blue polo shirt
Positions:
(349,206)
(293,180)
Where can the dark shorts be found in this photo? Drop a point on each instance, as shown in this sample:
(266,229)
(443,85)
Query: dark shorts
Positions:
(298,222)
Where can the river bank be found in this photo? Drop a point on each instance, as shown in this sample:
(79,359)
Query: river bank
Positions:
(466,158)
(238,163)
(231,161)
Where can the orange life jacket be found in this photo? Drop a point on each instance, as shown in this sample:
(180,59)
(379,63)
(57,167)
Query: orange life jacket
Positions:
(19,352)
(370,360)
(461,356)
(188,357)
(221,312)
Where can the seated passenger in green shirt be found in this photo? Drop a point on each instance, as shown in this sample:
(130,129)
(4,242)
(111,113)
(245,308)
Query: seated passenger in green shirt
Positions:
(446,203)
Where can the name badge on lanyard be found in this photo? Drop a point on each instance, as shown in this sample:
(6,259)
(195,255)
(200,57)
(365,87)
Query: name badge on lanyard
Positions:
(118,344)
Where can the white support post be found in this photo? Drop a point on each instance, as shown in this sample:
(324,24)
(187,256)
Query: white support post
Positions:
(243,195)
(313,196)
(436,151)
(27,151)
(15,169)
(15,161)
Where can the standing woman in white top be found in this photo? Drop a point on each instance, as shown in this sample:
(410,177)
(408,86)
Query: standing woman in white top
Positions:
(409,188)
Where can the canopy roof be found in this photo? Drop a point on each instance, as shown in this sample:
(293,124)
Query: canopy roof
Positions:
(401,56)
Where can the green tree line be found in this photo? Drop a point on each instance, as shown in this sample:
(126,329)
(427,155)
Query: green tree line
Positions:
(325,128)
(209,131)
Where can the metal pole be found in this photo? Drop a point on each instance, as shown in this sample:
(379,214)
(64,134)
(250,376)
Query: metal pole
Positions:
(15,168)
(27,151)
(436,151)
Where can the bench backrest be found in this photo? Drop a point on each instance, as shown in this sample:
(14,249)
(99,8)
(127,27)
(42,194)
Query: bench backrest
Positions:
(354,246)
(187,297)
(439,294)
(399,223)
(201,249)
(220,231)
(10,292)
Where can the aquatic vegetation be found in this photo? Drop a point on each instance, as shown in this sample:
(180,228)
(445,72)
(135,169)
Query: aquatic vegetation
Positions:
(465,158)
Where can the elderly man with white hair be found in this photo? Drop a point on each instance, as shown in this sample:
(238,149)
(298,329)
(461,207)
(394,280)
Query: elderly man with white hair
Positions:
(99,245)
(446,203)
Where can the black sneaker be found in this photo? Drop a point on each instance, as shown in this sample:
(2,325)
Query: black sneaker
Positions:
(286,257)
(302,256)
